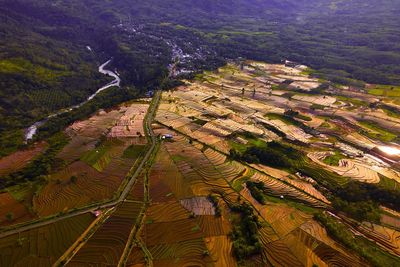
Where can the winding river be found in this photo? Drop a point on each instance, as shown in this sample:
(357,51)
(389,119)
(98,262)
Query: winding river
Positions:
(32,130)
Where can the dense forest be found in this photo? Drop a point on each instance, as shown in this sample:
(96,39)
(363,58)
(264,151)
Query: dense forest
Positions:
(45,62)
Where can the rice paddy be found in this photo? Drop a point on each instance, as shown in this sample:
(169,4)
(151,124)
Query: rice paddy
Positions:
(186,205)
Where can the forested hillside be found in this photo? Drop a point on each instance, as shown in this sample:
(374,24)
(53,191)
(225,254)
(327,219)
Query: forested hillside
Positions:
(45,64)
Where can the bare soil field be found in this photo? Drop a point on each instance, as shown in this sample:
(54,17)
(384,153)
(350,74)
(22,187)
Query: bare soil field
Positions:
(20,159)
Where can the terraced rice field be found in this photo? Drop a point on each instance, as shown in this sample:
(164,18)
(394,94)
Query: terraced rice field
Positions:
(20,159)
(349,168)
(61,194)
(178,252)
(131,123)
(12,211)
(192,182)
(304,186)
(42,246)
(95,163)
(220,248)
(171,232)
(105,247)
(390,238)
(278,188)
(166,211)
(198,205)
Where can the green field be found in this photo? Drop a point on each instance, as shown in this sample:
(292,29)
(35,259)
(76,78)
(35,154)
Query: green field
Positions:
(333,160)
(133,151)
(385,90)
(286,119)
(376,132)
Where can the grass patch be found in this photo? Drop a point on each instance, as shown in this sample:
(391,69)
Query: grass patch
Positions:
(388,183)
(334,159)
(178,158)
(196,228)
(317,107)
(354,101)
(376,132)
(11,141)
(20,192)
(133,151)
(94,156)
(303,117)
(385,90)
(294,204)
(286,119)
(391,113)
(20,65)
(237,184)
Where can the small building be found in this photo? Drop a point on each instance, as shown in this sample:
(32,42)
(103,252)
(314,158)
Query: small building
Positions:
(150,93)
(97,213)
(291,64)
(167,136)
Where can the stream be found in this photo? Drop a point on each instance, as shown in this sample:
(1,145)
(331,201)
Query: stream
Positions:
(32,130)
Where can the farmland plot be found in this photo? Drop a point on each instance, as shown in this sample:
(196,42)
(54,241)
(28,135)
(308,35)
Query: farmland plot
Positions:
(131,123)
(62,193)
(220,248)
(349,168)
(20,159)
(166,179)
(12,211)
(105,247)
(198,206)
(42,246)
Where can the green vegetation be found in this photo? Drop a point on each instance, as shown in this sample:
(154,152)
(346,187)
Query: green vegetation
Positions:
(178,158)
(286,119)
(134,151)
(10,216)
(10,141)
(367,249)
(377,193)
(385,90)
(256,190)
(353,195)
(317,107)
(246,241)
(334,159)
(296,114)
(93,156)
(354,101)
(392,112)
(237,184)
(40,166)
(214,200)
(45,65)
(73,179)
(360,211)
(273,154)
(387,183)
(376,132)
(104,100)
(292,203)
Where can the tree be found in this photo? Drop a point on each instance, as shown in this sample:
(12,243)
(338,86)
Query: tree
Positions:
(73,179)
(10,216)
